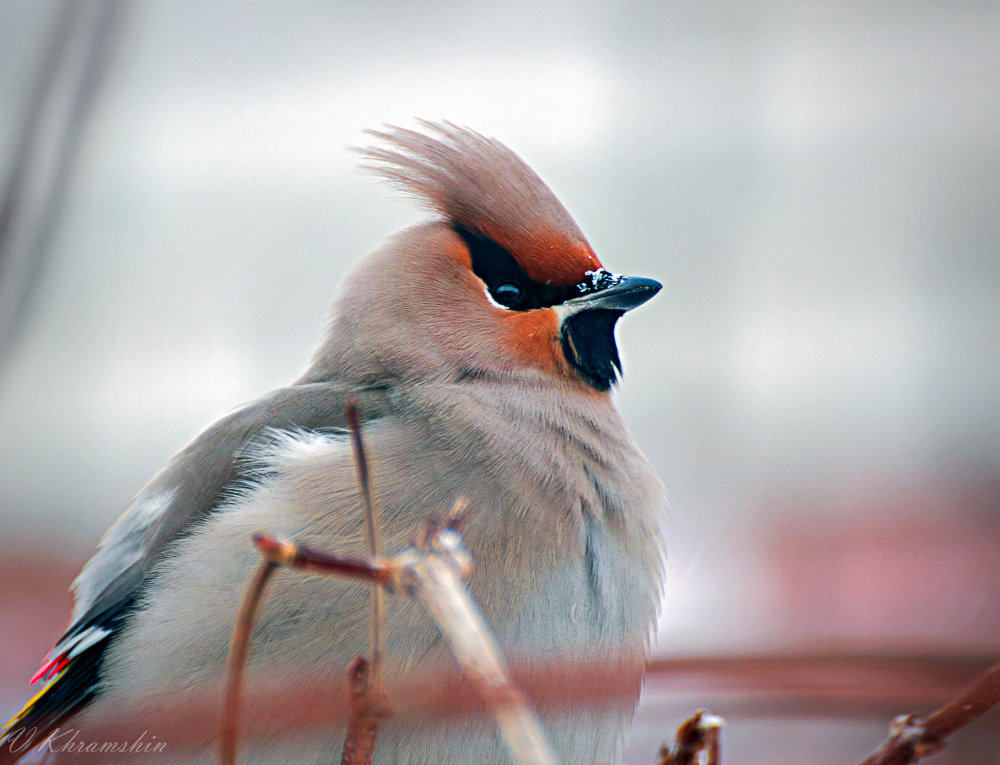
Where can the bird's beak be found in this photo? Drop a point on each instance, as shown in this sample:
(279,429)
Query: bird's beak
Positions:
(612,292)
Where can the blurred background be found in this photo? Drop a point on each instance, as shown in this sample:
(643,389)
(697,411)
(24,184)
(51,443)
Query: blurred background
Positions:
(817,185)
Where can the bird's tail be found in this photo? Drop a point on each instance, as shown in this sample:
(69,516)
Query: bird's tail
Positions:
(71,686)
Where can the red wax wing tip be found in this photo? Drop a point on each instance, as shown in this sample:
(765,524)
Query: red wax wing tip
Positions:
(45,668)
(63,663)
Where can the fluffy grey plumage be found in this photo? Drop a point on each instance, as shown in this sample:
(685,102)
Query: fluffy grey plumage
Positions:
(461,396)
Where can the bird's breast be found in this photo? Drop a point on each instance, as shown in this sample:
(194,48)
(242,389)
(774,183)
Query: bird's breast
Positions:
(565,512)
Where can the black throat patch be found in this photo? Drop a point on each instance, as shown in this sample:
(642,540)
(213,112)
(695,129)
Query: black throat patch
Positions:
(588,342)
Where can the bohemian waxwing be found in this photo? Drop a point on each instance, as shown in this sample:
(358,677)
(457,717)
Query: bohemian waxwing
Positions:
(480,348)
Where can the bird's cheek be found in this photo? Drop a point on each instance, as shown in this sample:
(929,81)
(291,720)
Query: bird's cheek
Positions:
(533,338)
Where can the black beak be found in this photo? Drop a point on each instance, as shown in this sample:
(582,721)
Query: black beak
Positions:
(614,293)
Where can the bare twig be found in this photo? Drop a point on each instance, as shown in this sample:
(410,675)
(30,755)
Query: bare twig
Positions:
(238,649)
(368,704)
(698,735)
(367,709)
(912,738)
(301,557)
(45,147)
(433,572)
(714,750)
(377,648)
(755,690)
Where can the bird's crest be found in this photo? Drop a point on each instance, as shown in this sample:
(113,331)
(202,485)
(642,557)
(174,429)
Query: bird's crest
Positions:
(483,187)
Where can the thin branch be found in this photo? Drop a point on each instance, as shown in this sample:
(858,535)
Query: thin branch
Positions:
(238,649)
(46,147)
(433,572)
(564,685)
(368,703)
(713,753)
(912,738)
(301,557)
(377,648)
(367,710)
(698,734)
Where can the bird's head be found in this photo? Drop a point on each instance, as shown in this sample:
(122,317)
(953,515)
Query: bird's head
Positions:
(502,285)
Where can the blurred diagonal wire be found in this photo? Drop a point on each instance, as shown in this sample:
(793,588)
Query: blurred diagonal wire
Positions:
(69,74)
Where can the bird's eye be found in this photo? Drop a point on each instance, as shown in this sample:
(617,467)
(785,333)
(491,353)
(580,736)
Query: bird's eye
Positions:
(507,294)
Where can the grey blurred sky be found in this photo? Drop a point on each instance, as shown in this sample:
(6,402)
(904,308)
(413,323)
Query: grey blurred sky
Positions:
(816,185)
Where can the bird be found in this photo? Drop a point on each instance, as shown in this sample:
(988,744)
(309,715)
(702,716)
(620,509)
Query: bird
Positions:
(479,346)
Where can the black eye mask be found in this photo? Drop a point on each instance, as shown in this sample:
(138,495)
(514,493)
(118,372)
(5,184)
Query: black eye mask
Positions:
(506,281)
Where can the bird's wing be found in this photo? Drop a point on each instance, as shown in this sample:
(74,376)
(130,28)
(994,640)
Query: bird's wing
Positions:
(183,494)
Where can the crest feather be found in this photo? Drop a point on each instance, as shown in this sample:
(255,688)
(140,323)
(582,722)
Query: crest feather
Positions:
(479,184)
